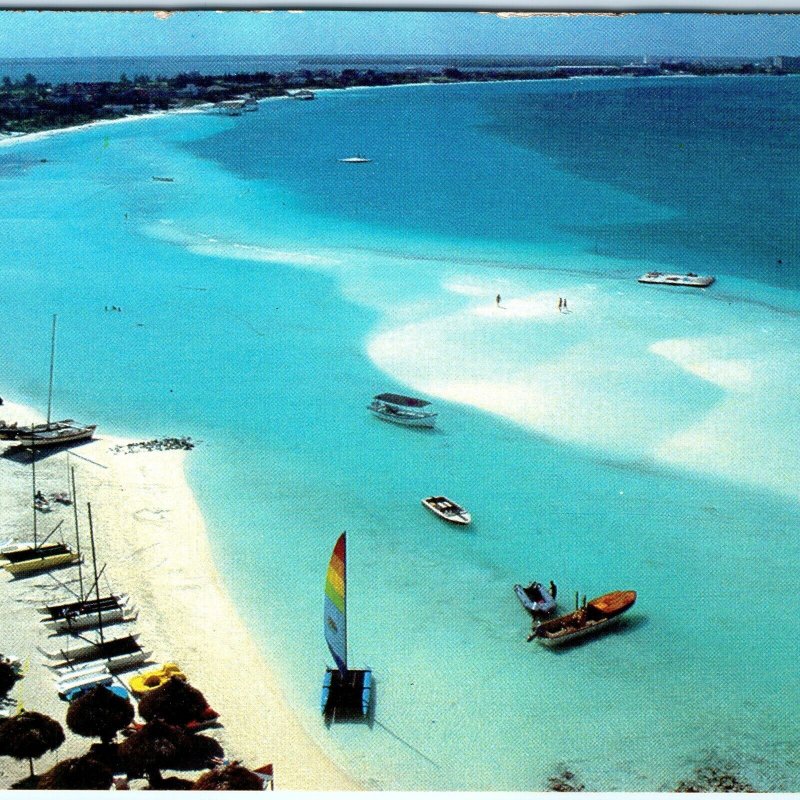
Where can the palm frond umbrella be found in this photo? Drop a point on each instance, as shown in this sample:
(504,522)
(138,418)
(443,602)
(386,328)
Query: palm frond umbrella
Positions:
(29,735)
(77,773)
(233,777)
(176,702)
(99,714)
(152,748)
(8,677)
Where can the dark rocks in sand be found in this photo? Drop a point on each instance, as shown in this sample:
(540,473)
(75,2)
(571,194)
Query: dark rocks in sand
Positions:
(714,779)
(166,443)
(565,781)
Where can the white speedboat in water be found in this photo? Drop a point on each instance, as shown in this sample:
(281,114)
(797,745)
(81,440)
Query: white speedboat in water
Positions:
(398,408)
(667,279)
(355,160)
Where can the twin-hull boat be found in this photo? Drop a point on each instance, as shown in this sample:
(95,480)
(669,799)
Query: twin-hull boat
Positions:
(346,692)
(595,615)
(447,510)
(38,559)
(402,410)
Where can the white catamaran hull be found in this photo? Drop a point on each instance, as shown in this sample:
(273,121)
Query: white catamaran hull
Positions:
(91,619)
(409,420)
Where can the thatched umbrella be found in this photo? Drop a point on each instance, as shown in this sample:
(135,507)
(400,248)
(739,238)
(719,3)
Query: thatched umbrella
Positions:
(8,677)
(99,713)
(176,702)
(77,773)
(232,777)
(29,735)
(152,748)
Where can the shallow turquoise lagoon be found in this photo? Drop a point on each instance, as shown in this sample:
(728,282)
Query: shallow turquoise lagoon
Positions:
(645,440)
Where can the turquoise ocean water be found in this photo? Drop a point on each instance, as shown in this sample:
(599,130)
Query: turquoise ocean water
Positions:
(645,440)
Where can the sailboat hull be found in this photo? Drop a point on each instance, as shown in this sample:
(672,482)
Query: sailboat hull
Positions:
(346,695)
(38,564)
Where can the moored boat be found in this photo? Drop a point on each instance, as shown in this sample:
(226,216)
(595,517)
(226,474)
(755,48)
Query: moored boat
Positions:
(403,410)
(535,599)
(346,692)
(669,279)
(447,510)
(355,160)
(593,616)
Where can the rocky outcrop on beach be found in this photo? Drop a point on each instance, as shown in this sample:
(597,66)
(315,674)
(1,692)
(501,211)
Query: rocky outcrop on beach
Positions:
(714,779)
(565,781)
(167,443)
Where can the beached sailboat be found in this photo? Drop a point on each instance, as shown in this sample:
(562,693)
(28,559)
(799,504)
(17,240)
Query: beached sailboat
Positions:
(51,434)
(346,692)
(118,653)
(86,611)
(446,509)
(593,616)
(402,410)
(40,556)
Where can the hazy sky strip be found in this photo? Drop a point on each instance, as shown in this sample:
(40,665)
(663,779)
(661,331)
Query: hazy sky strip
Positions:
(92,33)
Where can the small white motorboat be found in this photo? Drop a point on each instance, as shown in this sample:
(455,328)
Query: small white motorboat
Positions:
(403,410)
(447,510)
(355,160)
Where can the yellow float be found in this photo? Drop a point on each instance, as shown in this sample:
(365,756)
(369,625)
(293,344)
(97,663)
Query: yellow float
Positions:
(145,682)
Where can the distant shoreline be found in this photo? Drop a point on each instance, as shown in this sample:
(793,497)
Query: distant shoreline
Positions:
(29,107)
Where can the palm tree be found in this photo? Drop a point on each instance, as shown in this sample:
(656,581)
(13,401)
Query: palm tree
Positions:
(176,702)
(77,773)
(233,777)
(29,735)
(99,713)
(152,748)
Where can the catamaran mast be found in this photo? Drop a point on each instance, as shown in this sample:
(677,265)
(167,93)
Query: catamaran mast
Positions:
(52,364)
(77,534)
(344,575)
(96,579)
(33,491)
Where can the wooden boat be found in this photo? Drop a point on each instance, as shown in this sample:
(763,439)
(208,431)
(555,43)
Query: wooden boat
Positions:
(402,410)
(447,510)
(668,279)
(595,615)
(535,599)
(346,692)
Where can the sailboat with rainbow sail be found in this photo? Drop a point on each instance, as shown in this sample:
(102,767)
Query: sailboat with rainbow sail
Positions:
(346,693)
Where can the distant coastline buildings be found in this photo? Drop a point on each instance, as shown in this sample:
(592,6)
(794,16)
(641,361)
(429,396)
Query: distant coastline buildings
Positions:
(28,105)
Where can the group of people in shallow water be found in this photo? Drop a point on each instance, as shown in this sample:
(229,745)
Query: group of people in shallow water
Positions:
(562,304)
(113,308)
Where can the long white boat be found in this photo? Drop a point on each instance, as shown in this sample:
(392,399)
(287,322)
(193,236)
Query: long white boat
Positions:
(93,618)
(402,410)
(669,279)
(446,509)
(73,650)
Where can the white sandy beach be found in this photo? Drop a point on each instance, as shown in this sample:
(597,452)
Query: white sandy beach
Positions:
(151,534)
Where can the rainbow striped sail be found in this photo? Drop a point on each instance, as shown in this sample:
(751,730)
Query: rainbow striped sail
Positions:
(335,605)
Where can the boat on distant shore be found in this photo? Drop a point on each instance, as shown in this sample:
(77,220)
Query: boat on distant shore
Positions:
(535,599)
(592,617)
(355,160)
(300,94)
(346,692)
(668,279)
(402,410)
(447,510)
